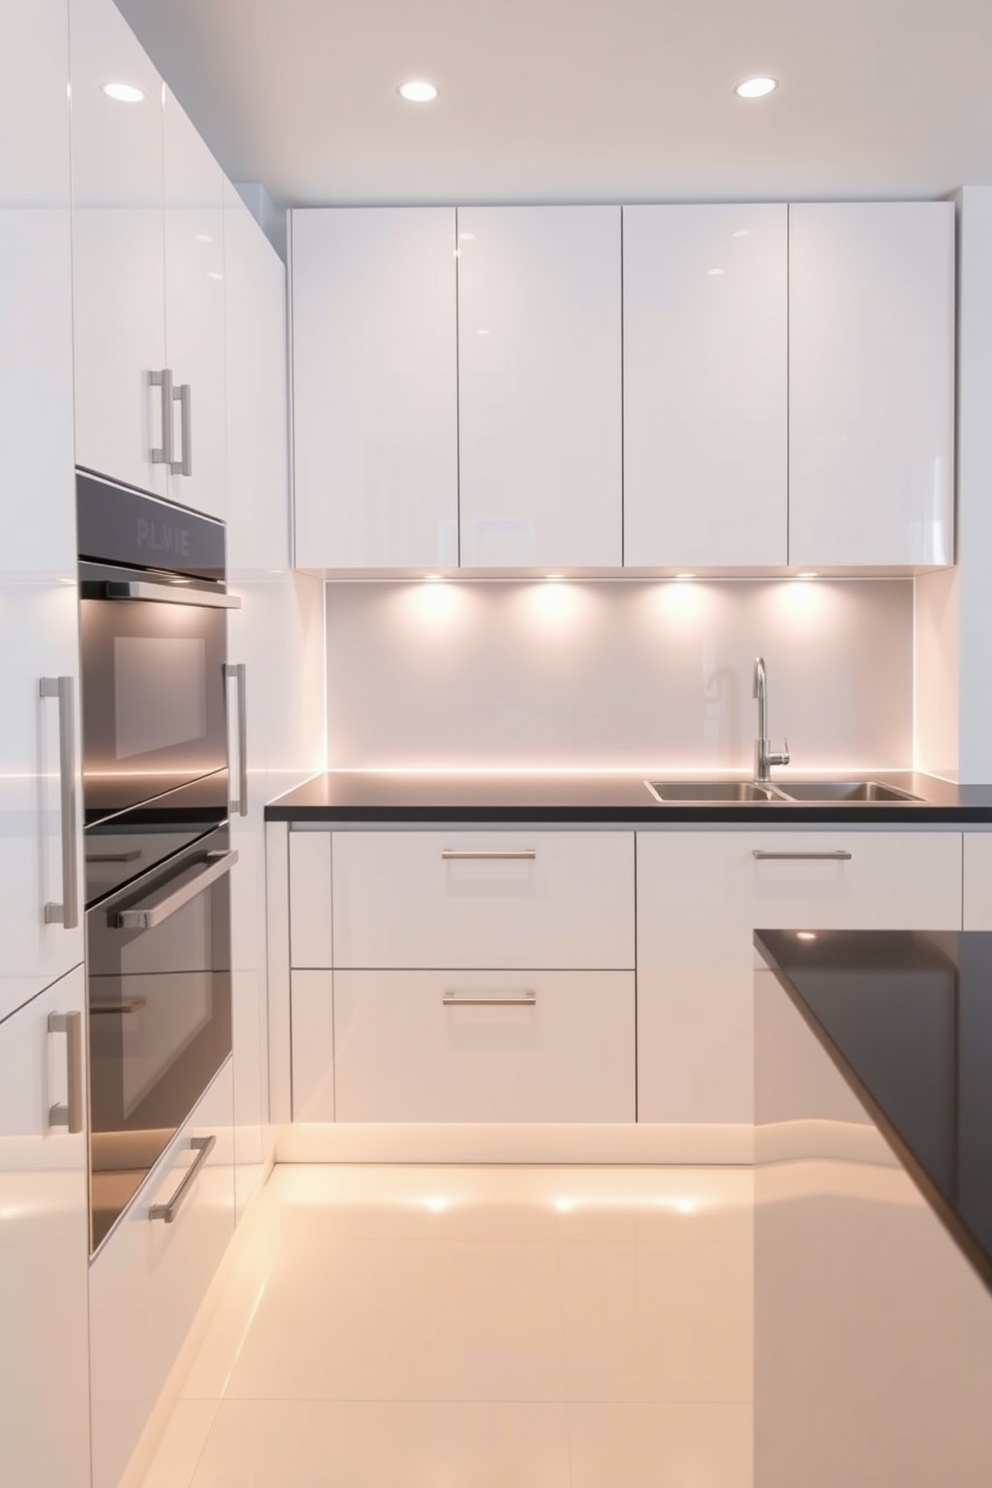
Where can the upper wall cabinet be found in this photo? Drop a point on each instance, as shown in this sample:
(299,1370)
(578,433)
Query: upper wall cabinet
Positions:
(148,296)
(871,384)
(539,386)
(705,355)
(375,387)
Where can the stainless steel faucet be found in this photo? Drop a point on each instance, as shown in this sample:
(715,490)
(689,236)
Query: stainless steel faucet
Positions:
(763,757)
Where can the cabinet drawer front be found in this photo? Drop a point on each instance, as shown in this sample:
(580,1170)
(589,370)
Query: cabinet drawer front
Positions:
(484,1046)
(419,899)
(149,1279)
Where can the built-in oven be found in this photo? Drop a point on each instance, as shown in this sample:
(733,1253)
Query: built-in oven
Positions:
(153,622)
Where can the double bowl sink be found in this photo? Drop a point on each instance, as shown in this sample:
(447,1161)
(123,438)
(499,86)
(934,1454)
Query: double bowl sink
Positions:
(790,791)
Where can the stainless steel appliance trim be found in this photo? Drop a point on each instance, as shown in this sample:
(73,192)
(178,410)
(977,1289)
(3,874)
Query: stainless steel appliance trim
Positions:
(239,672)
(157,912)
(474,854)
(166,592)
(129,1005)
(163,380)
(489,999)
(184,397)
(202,1146)
(66,914)
(838,855)
(71,1114)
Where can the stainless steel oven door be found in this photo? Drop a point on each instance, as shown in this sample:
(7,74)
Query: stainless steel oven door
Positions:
(153,652)
(159,1001)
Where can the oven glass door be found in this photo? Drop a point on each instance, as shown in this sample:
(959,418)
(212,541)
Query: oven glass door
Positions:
(159,989)
(153,695)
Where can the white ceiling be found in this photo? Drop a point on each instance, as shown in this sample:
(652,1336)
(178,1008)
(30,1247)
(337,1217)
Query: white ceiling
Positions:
(583,100)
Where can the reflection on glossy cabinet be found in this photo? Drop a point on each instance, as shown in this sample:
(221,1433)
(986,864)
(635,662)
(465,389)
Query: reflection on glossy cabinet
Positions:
(118,249)
(701,896)
(194,314)
(705,369)
(539,386)
(38,554)
(374,387)
(871,383)
(44,1402)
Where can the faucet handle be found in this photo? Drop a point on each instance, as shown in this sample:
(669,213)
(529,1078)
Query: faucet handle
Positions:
(780,759)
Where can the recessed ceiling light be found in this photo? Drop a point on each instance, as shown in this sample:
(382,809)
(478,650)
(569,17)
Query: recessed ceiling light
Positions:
(554,578)
(433,578)
(805,934)
(417,91)
(123,92)
(756,87)
(807,576)
(685,576)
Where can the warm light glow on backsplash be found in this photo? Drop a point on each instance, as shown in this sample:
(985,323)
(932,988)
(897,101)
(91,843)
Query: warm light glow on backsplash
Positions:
(640,676)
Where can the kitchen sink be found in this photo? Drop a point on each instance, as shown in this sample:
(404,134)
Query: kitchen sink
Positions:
(843,790)
(713,790)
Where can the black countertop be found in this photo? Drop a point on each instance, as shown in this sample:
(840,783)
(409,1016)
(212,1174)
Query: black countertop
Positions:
(907,1019)
(552,797)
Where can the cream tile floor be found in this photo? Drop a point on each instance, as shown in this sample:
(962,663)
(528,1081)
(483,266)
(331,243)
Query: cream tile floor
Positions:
(478,1327)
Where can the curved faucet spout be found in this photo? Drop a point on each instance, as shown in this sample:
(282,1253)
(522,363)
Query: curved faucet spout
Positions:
(763,756)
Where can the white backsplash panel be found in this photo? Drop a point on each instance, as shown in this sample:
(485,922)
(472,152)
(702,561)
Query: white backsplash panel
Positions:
(622,675)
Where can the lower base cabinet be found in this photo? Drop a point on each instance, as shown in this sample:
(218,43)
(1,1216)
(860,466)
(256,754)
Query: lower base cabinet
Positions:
(44,1227)
(149,1278)
(489,1046)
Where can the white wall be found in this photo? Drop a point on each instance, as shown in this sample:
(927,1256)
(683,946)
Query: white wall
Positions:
(621,674)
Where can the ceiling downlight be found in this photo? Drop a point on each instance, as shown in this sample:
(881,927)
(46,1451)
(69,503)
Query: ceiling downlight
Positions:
(756,87)
(418,91)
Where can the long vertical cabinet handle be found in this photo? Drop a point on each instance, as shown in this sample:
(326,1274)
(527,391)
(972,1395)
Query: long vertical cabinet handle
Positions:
(71,1114)
(163,380)
(240,674)
(66,914)
(183,395)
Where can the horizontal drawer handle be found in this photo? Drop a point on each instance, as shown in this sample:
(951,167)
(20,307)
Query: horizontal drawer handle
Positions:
(190,885)
(202,1146)
(505,854)
(489,999)
(838,855)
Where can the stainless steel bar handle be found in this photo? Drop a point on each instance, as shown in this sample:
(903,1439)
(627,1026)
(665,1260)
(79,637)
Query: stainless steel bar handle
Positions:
(489,999)
(183,395)
(166,593)
(163,380)
(240,673)
(66,914)
(159,910)
(71,1114)
(838,855)
(498,854)
(202,1146)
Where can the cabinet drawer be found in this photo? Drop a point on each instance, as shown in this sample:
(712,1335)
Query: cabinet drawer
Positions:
(479,899)
(149,1279)
(484,1046)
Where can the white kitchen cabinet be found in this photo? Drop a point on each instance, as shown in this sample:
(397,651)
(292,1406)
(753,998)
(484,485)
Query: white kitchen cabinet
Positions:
(521,899)
(194,313)
(701,895)
(483,1046)
(705,385)
(118,249)
(310,925)
(44,1403)
(977,881)
(871,384)
(539,387)
(149,1278)
(312,1032)
(375,431)
(38,848)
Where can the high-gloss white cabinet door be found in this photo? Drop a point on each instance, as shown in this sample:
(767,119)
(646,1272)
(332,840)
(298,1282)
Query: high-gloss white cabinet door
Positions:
(118,259)
(871,383)
(701,896)
(705,385)
(38,608)
(539,386)
(977,881)
(258,556)
(374,387)
(149,1278)
(194,315)
(482,1045)
(44,1402)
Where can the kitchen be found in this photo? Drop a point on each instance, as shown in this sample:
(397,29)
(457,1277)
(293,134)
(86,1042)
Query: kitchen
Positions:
(134,254)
